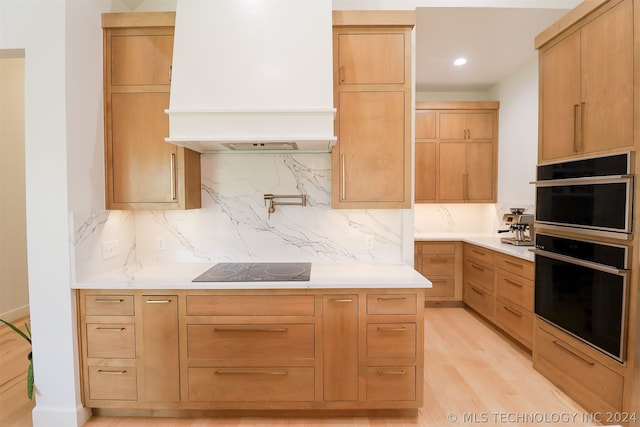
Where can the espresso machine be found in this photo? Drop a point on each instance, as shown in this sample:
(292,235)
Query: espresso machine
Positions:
(521,228)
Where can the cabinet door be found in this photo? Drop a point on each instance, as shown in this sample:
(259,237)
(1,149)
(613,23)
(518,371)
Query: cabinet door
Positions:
(453,126)
(425,124)
(369,58)
(607,80)
(159,359)
(560,99)
(340,331)
(142,59)
(481,126)
(143,165)
(479,182)
(371,146)
(425,174)
(452,171)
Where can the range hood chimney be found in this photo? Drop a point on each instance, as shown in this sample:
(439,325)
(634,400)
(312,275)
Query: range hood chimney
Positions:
(252,75)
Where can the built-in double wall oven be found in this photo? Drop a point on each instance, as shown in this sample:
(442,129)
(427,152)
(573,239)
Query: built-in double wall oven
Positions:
(584,213)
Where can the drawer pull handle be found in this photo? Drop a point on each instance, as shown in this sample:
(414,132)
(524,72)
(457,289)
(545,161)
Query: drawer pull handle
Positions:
(438,260)
(102,371)
(574,353)
(109,300)
(477,291)
(390,372)
(158,301)
(515,264)
(250,372)
(512,311)
(381,299)
(392,329)
(241,329)
(341,299)
(110,329)
(513,283)
(477,252)
(477,267)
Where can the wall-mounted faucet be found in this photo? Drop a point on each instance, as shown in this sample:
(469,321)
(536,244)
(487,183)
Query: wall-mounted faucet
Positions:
(273,203)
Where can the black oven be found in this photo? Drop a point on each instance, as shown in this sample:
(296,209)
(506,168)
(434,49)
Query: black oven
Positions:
(581,287)
(594,195)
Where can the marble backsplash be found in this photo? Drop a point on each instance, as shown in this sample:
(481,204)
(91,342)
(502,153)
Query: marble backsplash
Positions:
(233,223)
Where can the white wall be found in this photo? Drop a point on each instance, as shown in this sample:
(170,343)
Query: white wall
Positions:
(518,135)
(14,293)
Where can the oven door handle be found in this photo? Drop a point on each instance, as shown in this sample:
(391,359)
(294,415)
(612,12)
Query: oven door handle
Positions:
(580,262)
(608,179)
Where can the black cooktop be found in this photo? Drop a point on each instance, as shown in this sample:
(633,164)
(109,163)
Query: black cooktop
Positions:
(257,271)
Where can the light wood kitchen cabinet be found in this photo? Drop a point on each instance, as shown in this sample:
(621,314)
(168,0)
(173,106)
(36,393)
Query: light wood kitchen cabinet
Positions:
(129,358)
(340,326)
(337,349)
(500,288)
(586,86)
(371,162)
(456,152)
(441,263)
(142,171)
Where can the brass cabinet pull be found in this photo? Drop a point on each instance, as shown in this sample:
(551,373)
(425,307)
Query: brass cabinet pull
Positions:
(475,251)
(158,301)
(391,372)
(250,372)
(515,264)
(110,329)
(341,74)
(576,127)
(172,176)
(244,329)
(391,298)
(477,291)
(512,311)
(392,329)
(108,300)
(341,299)
(109,372)
(513,283)
(438,260)
(574,353)
(477,267)
(343,186)
(583,108)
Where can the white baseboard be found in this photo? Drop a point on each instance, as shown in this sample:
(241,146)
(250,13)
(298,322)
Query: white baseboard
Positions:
(60,417)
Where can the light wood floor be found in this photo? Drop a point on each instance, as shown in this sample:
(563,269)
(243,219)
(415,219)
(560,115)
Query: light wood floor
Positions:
(473,376)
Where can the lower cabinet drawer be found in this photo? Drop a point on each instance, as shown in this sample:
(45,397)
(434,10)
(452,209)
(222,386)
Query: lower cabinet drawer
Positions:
(516,289)
(438,266)
(575,366)
(260,341)
(479,299)
(515,320)
(478,274)
(441,287)
(391,383)
(111,340)
(259,384)
(392,304)
(112,383)
(391,340)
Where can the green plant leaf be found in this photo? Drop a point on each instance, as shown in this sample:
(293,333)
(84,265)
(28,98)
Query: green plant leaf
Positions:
(18,331)
(30,380)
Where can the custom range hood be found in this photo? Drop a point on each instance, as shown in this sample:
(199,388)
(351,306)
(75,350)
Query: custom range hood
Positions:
(252,75)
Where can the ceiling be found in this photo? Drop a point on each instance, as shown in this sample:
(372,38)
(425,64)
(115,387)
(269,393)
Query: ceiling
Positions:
(495,41)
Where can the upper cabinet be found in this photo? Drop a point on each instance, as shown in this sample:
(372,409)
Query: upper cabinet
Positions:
(456,152)
(371,162)
(142,171)
(586,85)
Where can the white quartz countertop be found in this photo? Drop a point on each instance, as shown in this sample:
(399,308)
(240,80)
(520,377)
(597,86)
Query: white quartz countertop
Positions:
(485,240)
(324,275)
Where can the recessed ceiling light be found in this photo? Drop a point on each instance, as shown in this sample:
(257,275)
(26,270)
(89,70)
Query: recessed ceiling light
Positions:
(460,61)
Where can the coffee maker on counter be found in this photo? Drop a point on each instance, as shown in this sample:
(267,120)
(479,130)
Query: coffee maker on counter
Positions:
(521,227)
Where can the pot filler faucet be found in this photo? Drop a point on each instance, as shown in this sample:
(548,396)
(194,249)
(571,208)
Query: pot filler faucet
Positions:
(273,202)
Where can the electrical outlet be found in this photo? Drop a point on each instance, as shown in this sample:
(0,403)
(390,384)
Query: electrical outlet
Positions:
(161,243)
(370,242)
(110,249)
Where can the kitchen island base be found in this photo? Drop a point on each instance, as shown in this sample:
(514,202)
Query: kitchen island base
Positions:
(322,351)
